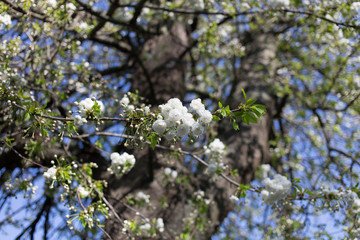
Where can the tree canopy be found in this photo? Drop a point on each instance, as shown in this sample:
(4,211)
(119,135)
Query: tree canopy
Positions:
(179,119)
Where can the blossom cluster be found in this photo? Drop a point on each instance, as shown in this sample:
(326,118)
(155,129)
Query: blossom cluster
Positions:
(169,172)
(25,185)
(5,19)
(175,120)
(140,196)
(90,107)
(275,189)
(50,174)
(121,164)
(146,227)
(215,152)
(83,192)
(279,3)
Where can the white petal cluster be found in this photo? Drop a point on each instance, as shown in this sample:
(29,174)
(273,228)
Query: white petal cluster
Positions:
(50,174)
(170,173)
(121,164)
(145,227)
(175,120)
(78,121)
(234,199)
(355,7)
(160,224)
(205,116)
(51,3)
(140,196)
(86,105)
(83,26)
(200,194)
(275,189)
(279,3)
(83,192)
(125,101)
(265,172)
(5,19)
(215,152)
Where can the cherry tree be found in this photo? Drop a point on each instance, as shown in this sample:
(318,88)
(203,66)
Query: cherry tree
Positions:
(156,119)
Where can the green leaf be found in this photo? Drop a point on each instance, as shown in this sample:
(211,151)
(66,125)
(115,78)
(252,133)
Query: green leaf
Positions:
(244,118)
(250,101)
(260,108)
(251,117)
(235,125)
(216,118)
(244,94)
(220,104)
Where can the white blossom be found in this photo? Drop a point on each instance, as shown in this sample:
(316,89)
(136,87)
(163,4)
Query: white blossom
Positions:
(78,121)
(234,198)
(197,105)
(160,224)
(51,3)
(275,189)
(5,19)
(87,104)
(145,227)
(279,3)
(143,197)
(50,173)
(124,101)
(159,126)
(83,193)
(205,116)
(121,164)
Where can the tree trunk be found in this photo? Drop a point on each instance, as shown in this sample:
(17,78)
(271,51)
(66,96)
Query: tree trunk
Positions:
(246,149)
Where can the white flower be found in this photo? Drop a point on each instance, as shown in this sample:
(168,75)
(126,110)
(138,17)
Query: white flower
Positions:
(276,189)
(145,227)
(212,168)
(197,105)
(130,108)
(5,19)
(70,6)
(83,26)
(174,103)
(205,116)
(356,206)
(50,173)
(159,126)
(234,198)
(121,164)
(170,135)
(124,101)
(146,110)
(215,150)
(160,224)
(78,121)
(182,130)
(52,3)
(143,197)
(83,193)
(117,159)
(167,171)
(87,104)
(174,174)
(355,7)
(279,3)
(197,129)
(199,194)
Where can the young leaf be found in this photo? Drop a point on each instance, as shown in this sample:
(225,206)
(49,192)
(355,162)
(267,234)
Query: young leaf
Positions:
(244,94)
(250,101)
